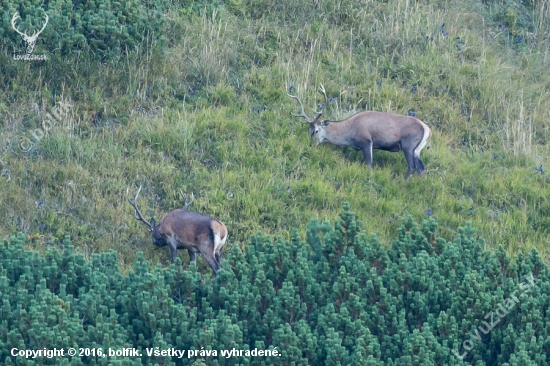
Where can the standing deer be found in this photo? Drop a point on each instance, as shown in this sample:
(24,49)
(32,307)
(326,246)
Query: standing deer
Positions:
(182,229)
(369,130)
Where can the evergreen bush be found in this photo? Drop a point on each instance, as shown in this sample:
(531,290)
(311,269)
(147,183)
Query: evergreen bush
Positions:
(342,298)
(103,27)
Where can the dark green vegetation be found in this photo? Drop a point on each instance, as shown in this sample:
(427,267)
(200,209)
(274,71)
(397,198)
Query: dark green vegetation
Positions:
(339,299)
(99,28)
(196,100)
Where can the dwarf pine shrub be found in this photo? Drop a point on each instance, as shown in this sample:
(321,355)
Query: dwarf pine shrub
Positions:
(102,27)
(339,298)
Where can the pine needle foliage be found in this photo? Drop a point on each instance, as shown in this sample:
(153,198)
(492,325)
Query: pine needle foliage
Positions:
(102,28)
(339,298)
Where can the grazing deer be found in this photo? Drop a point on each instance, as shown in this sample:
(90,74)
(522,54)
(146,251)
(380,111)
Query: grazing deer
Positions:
(182,229)
(369,130)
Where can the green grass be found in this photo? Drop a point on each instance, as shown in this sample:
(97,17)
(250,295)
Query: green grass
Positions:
(191,116)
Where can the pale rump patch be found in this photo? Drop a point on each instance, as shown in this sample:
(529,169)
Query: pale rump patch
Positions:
(425,138)
(219,241)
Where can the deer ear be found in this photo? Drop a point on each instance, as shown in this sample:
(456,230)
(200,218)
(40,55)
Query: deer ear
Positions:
(325,123)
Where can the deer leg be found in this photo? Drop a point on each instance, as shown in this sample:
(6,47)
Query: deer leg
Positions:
(410,162)
(211,260)
(173,252)
(192,256)
(367,153)
(218,260)
(419,166)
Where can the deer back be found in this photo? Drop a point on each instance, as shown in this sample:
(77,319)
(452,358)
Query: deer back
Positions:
(193,228)
(380,127)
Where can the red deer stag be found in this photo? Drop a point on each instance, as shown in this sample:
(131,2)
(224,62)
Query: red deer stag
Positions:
(182,229)
(369,130)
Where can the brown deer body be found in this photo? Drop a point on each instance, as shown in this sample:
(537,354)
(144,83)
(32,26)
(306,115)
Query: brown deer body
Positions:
(370,130)
(183,229)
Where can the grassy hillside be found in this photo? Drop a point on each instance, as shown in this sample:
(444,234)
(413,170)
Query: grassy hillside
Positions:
(203,108)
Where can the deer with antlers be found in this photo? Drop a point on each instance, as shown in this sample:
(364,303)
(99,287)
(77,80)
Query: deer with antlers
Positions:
(368,130)
(183,229)
(30,40)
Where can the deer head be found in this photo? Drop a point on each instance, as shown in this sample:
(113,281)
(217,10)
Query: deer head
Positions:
(314,124)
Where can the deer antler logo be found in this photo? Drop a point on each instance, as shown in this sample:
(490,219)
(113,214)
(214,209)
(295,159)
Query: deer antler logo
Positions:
(30,40)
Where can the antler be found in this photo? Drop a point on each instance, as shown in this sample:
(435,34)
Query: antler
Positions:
(45,24)
(24,35)
(137,213)
(322,88)
(13,19)
(303,113)
(185,199)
